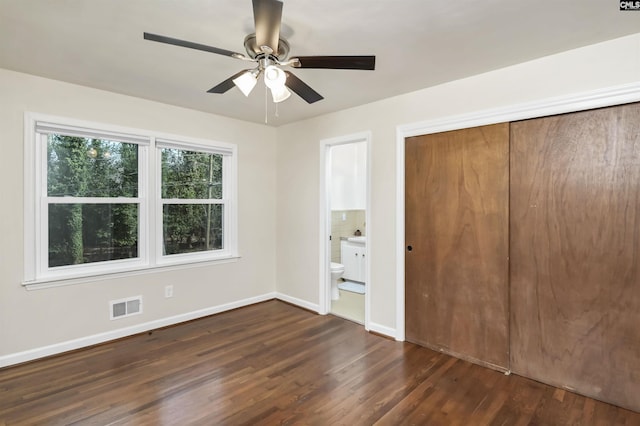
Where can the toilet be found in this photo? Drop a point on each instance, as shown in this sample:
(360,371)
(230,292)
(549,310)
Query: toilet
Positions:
(337,269)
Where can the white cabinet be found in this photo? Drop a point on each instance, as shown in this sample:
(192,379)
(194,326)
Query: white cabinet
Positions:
(352,256)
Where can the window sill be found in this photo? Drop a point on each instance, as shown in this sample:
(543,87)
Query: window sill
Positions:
(143,270)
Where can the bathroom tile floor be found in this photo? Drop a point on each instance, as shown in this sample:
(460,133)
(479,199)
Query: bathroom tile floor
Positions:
(350,306)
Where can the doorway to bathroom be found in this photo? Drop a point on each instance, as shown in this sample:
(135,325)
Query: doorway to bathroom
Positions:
(344,227)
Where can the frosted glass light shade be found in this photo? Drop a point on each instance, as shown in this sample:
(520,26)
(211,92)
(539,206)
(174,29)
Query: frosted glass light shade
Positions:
(274,77)
(280,94)
(246,82)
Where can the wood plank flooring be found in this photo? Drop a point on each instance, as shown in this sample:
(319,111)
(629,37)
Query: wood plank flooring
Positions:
(273,363)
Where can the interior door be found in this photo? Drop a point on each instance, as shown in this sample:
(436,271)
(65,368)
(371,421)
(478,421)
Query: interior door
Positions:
(575,252)
(456,270)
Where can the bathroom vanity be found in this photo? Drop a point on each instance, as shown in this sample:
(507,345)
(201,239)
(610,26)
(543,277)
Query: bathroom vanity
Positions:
(352,255)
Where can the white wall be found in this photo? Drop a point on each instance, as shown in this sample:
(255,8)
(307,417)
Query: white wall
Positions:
(32,319)
(598,66)
(348,176)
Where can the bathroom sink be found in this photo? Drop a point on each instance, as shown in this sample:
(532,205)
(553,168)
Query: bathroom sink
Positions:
(361,239)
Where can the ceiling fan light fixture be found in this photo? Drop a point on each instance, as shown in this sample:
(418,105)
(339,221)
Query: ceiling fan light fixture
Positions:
(246,82)
(274,77)
(280,94)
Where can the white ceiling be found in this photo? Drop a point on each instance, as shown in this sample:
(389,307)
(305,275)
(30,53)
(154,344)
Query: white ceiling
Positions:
(418,43)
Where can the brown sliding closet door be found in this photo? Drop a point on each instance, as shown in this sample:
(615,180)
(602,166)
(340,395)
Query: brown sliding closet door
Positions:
(456,219)
(575,252)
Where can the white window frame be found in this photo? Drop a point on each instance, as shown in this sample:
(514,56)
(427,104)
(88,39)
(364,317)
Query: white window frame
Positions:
(37,273)
(228,184)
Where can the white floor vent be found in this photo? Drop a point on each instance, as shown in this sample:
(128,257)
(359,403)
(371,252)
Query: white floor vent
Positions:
(125,307)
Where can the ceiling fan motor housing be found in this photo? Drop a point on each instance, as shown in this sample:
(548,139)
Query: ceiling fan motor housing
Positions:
(255,52)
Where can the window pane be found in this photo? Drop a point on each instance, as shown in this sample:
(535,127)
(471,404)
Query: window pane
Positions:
(191,174)
(189,228)
(85,167)
(87,233)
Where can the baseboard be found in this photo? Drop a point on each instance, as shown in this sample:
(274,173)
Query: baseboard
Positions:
(298,302)
(382,329)
(373,327)
(57,348)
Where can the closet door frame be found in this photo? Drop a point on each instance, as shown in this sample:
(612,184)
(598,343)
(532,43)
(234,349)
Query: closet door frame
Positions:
(559,105)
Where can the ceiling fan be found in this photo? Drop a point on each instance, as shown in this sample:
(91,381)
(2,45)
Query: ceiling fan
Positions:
(270,53)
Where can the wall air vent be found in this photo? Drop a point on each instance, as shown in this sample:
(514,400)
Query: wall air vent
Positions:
(125,307)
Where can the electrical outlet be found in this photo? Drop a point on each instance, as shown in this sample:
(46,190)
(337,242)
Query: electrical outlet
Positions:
(168,291)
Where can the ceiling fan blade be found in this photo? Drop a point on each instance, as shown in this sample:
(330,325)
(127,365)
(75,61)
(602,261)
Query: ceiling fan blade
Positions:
(227,84)
(267,15)
(336,62)
(302,89)
(189,44)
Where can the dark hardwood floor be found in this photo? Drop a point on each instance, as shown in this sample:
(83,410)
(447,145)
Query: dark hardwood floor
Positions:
(273,363)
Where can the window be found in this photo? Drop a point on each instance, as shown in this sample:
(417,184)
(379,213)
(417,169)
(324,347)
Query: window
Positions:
(194,199)
(94,191)
(91,204)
